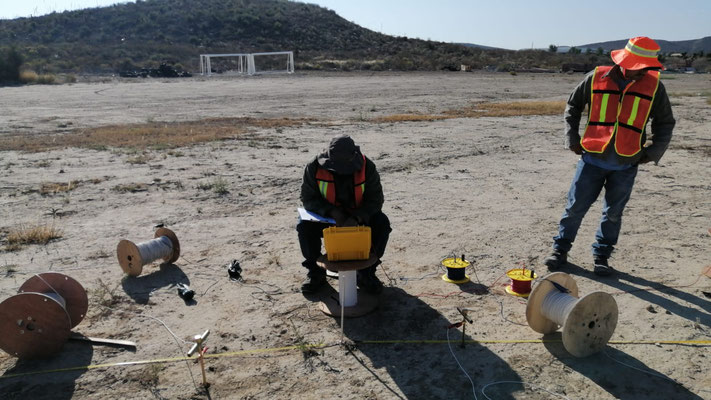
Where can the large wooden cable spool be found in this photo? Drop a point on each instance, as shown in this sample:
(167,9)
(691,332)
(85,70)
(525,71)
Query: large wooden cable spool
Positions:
(588,322)
(133,257)
(73,293)
(37,321)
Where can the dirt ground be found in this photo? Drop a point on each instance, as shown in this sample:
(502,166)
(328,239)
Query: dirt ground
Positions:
(490,188)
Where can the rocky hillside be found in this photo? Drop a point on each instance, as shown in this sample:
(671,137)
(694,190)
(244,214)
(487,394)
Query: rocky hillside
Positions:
(149,32)
(702,45)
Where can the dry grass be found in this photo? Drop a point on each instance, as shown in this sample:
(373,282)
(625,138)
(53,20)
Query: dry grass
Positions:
(168,135)
(151,375)
(49,188)
(130,188)
(510,109)
(409,118)
(31,77)
(24,235)
(98,254)
(9,269)
(140,159)
(159,135)
(219,185)
(106,297)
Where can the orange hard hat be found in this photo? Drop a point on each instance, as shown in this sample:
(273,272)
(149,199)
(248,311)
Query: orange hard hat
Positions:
(641,52)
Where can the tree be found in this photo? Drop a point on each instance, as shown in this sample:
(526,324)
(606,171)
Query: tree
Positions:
(574,50)
(553,48)
(10,62)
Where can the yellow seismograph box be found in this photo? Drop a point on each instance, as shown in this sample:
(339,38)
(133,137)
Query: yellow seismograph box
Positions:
(347,243)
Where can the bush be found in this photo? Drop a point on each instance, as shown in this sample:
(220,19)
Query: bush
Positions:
(31,77)
(10,62)
(46,79)
(28,77)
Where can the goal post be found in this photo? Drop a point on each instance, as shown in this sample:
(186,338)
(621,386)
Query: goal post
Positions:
(249,63)
(278,61)
(206,62)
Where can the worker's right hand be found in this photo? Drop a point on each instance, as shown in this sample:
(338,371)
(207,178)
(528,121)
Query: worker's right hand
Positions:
(576,148)
(338,215)
(350,221)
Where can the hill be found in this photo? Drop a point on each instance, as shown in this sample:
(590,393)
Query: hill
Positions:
(479,46)
(146,33)
(702,45)
(149,32)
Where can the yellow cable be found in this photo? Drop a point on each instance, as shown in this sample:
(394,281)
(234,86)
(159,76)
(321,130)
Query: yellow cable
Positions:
(323,345)
(166,360)
(518,341)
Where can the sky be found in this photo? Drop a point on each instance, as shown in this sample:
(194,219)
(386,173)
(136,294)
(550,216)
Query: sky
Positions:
(509,24)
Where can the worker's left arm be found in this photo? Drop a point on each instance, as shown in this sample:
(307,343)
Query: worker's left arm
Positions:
(662,125)
(577,101)
(373,198)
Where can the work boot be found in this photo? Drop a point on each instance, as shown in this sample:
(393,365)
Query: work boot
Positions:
(556,260)
(601,267)
(368,282)
(315,280)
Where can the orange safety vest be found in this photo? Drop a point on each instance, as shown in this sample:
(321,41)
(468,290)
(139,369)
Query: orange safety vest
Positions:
(620,114)
(327,187)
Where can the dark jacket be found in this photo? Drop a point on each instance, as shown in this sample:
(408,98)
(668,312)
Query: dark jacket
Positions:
(372,196)
(660,115)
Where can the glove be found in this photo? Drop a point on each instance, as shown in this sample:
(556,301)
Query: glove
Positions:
(644,159)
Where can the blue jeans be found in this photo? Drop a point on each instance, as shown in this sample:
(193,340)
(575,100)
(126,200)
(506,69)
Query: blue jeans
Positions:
(586,187)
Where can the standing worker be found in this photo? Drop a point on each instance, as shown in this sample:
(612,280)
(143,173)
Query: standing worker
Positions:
(621,99)
(343,184)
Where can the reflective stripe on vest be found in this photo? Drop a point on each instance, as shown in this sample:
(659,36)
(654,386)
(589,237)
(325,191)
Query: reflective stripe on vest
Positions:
(324,179)
(619,114)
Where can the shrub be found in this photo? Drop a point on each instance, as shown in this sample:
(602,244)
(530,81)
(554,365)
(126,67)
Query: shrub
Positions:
(37,234)
(10,62)
(28,77)
(31,77)
(46,79)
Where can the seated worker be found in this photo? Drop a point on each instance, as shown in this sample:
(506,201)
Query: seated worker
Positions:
(341,183)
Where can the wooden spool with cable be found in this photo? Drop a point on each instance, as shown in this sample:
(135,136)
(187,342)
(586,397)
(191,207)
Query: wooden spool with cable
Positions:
(37,321)
(588,322)
(132,257)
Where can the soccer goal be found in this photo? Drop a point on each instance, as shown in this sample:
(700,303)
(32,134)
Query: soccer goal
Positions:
(247,63)
(223,63)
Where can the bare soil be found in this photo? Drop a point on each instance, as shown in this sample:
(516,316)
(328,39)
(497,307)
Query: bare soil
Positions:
(491,188)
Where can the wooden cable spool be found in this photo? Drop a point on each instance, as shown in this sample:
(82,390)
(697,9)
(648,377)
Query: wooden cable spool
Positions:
(588,322)
(133,257)
(37,321)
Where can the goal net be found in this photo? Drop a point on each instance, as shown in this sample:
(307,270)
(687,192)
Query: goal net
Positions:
(247,63)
